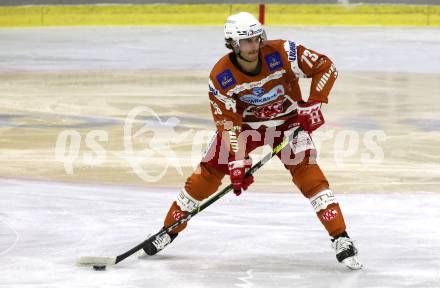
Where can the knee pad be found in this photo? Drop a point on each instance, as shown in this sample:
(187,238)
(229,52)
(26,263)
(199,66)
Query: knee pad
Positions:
(308,177)
(203,182)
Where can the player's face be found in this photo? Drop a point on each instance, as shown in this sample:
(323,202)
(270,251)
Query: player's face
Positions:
(249,48)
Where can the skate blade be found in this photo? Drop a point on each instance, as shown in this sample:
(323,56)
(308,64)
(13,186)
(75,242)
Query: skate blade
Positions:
(352,263)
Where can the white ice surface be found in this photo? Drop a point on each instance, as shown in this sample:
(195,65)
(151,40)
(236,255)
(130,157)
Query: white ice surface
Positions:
(412,50)
(255,240)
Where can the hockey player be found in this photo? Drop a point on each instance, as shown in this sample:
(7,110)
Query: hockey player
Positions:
(255,100)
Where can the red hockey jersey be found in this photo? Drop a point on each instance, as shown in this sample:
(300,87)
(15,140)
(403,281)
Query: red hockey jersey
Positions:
(270,97)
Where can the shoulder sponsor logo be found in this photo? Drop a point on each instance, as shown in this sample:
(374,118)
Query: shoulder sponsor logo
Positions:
(290,48)
(257,100)
(292,51)
(226,79)
(274,61)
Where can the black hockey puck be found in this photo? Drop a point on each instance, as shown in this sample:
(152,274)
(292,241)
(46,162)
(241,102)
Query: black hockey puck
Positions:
(98,267)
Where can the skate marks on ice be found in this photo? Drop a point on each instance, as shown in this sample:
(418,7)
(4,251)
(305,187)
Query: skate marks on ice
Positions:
(255,240)
(8,235)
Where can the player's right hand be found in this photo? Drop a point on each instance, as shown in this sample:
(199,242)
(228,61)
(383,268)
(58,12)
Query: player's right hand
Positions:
(310,116)
(237,173)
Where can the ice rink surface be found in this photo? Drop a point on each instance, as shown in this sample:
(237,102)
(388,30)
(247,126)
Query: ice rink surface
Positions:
(255,240)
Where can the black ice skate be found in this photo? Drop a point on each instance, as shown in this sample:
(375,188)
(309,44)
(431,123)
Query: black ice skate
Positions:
(346,252)
(159,243)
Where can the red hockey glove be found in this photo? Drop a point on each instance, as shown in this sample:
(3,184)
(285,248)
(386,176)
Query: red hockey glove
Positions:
(237,173)
(310,116)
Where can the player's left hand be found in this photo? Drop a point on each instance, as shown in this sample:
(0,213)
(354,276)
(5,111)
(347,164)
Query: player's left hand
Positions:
(237,172)
(309,115)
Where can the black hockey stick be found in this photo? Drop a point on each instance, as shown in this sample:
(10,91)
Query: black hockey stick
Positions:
(107,261)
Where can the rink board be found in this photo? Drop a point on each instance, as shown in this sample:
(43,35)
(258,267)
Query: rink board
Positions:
(215,14)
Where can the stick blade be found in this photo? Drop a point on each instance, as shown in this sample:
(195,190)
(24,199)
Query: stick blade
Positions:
(93,260)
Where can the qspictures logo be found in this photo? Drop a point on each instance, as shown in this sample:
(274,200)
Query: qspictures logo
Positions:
(68,144)
(149,145)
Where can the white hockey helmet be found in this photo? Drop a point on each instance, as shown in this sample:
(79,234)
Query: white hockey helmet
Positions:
(242,26)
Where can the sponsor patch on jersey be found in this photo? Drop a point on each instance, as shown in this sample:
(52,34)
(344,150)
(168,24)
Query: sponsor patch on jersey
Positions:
(213,90)
(270,110)
(329,214)
(226,79)
(250,85)
(258,91)
(274,61)
(260,99)
(177,215)
(292,51)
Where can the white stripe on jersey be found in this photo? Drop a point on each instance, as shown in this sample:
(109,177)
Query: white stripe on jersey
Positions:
(325,78)
(247,86)
(230,104)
